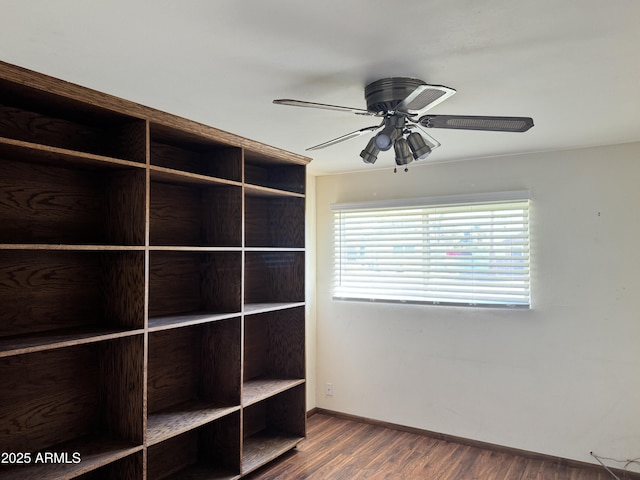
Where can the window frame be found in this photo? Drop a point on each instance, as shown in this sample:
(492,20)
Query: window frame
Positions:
(430,205)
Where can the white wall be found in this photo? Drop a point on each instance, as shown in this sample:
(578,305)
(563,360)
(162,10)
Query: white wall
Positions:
(562,378)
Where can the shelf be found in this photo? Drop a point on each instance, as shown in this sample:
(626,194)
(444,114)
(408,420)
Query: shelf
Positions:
(171,175)
(45,292)
(211,451)
(64,396)
(176,321)
(37,116)
(177,150)
(273,426)
(94,451)
(276,175)
(129,467)
(187,248)
(76,248)
(53,204)
(44,154)
(256,390)
(193,372)
(203,472)
(195,215)
(58,339)
(267,249)
(274,222)
(188,282)
(262,448)
(268,192)
(274,277)
(255,308)
(274,354)
(177,420)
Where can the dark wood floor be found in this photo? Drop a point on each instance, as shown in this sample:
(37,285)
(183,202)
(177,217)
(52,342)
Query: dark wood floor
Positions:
(337,448)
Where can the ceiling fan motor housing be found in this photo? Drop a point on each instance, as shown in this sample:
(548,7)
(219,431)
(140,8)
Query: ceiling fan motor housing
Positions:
(383,95)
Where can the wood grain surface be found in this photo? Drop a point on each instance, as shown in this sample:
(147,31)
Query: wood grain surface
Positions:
(194,364)
(270,172)
(278,415)
(43,290)
(274,221)
(62,122)
(179,150)
(174,368)
(274,277)
(191,282)
(41,204)
(102,458)
(343,449)
(121,394)
(48,398)
(210,452)
(274,345)
(195,215)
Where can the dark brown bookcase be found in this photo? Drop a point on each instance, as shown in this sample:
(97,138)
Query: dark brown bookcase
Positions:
(152,315)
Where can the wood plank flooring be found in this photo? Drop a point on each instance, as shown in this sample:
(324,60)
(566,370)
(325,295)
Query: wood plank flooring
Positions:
(343,449)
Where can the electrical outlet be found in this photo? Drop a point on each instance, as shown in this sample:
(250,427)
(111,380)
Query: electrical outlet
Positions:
(329,390)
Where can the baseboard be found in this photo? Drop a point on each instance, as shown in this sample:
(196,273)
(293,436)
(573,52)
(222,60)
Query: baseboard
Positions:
(623,474)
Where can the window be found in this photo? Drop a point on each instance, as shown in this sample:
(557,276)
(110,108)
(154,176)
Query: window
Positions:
(440,250)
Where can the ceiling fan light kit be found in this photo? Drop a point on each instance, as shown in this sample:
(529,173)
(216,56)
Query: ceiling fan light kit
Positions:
(403,153)
(370,152)
(402,103)
(418,146)
(393,128)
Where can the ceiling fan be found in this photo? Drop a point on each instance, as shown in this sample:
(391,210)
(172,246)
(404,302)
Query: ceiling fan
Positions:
(402,103)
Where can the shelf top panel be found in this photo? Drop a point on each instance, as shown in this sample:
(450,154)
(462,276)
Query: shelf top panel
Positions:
(254,308)
(37,153)
(176,321)
(203,472)
(190,248)
(178,176)
(51,90)
(258,389)
(71,247)
(10,346)
(258,191)
(274,249)
(175,421)
(260,449)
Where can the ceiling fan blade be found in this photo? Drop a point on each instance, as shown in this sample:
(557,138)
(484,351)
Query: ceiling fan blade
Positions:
(301,103)
(423,98)
(471,122)
(343,138)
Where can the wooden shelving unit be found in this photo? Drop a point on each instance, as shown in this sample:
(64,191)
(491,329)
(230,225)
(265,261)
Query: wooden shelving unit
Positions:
(269,428)
(151,290)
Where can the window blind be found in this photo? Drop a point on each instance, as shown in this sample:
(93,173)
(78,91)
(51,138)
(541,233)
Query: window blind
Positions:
(435,251)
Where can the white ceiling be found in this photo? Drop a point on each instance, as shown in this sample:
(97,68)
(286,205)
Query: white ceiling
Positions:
(572,65)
